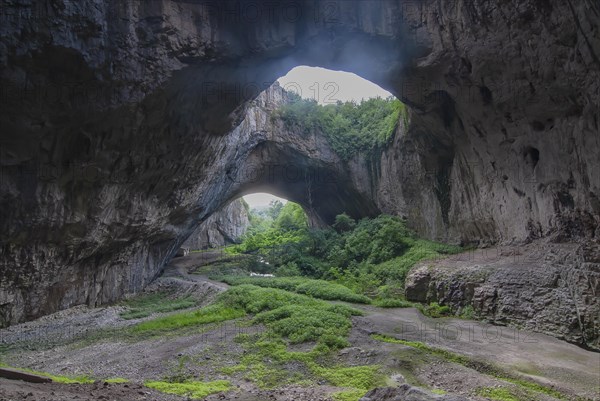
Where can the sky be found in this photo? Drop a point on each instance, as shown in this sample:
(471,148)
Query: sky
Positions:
(261,200)
(325,86)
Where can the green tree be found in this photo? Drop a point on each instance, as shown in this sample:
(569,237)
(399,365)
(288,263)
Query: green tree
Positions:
(291,218)
(349,127)
(275,208)
(343,223)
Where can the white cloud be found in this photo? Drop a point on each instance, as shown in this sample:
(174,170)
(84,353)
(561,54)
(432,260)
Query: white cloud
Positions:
(261,200)
(327,86)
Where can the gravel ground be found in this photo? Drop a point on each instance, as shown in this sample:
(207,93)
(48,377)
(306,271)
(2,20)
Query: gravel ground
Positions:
(53,344)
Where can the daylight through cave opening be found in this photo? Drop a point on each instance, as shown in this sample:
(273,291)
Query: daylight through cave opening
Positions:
(311,137)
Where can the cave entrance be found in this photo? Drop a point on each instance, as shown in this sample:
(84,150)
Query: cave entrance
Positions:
(310,138)
(244,216)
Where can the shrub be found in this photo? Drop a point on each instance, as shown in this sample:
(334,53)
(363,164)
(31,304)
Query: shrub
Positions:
(297,317)
(315,288)
(343,223)
(435,310)
(211,314)
(350,127)
(467,312)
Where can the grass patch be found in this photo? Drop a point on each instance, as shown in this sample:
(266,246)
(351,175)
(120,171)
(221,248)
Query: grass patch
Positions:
(442,353)
(481,367)
(349,395)
(435,310)
(80,379)
(497,394)
(358,379)
(297,317)
(146,305)
(267,360)
(191,389)
(116,380)
(354,377)
(212,314)
(315,288)
(533,386)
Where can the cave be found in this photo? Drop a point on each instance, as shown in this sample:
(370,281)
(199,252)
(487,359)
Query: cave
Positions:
(124,126)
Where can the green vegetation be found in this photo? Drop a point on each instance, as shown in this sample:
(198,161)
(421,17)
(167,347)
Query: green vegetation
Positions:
(354,377)
(116,380)
(292,318)
(467,312)
(147,304)
(279,225)
(349,395)
(442,353)
(435,310)
(316,288)
(80,379)
(497,394)
(211,314)
(360,259)
(479,366)
(267,359)
(532,386)
(349,127)
(191,389)
(297,317)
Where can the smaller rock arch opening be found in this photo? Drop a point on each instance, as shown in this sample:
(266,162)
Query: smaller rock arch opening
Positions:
(230,224)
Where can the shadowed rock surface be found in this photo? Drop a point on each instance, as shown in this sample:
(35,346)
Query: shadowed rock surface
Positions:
(227,226)
(548,288)
(126,124)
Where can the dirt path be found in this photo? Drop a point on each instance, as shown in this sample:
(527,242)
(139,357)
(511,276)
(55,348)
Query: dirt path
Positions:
(180,268)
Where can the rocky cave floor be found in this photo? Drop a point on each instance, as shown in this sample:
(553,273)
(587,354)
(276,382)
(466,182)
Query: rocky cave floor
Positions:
(86,341)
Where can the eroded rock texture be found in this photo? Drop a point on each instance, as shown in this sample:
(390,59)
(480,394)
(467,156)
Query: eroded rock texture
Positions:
(225,227)
(120,127)
(548,288)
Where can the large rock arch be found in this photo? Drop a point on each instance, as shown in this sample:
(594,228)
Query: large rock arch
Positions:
(115,121)
(296,165)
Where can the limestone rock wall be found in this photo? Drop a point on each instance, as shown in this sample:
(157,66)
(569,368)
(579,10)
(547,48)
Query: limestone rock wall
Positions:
(125,124)
(543,287)
(225,227)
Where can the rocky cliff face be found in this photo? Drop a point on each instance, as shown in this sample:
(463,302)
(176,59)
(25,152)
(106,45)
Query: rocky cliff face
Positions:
(124,125)
(543,287)
(224,227)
